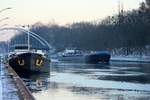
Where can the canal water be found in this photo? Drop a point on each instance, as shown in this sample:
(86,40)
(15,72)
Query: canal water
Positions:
(74,81)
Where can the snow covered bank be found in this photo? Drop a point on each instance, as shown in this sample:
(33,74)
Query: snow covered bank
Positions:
(1,96)
(8,90)
(131,58)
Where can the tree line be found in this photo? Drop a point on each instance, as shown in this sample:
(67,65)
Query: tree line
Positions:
(126,29)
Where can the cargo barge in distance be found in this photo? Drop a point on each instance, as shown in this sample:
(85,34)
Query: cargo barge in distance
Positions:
(81,57)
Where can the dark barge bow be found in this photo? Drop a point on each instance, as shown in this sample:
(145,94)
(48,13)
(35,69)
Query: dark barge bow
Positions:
(29,61)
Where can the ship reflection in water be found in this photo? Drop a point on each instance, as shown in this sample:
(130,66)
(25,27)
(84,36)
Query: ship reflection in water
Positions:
(36,82)
(69,81)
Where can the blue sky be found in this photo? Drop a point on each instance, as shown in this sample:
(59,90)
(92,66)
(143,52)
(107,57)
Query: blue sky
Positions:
(60,11)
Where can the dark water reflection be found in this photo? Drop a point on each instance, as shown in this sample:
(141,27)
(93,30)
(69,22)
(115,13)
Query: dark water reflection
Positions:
(72,81)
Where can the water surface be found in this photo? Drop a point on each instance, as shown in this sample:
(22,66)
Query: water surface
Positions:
(75,81)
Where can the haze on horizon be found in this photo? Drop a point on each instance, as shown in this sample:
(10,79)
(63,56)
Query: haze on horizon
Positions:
(61,11)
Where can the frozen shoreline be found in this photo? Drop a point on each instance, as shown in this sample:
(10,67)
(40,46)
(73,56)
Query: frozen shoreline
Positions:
(1,92)
(8,90)
(131,58)
(1,96)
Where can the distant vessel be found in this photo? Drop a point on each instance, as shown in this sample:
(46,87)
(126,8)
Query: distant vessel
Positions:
(24,60)
(98,57)
(70,55)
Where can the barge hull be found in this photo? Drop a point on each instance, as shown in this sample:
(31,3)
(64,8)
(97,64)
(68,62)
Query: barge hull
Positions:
(30,62)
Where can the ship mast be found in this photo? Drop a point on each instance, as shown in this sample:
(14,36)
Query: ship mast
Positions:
(28,38)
